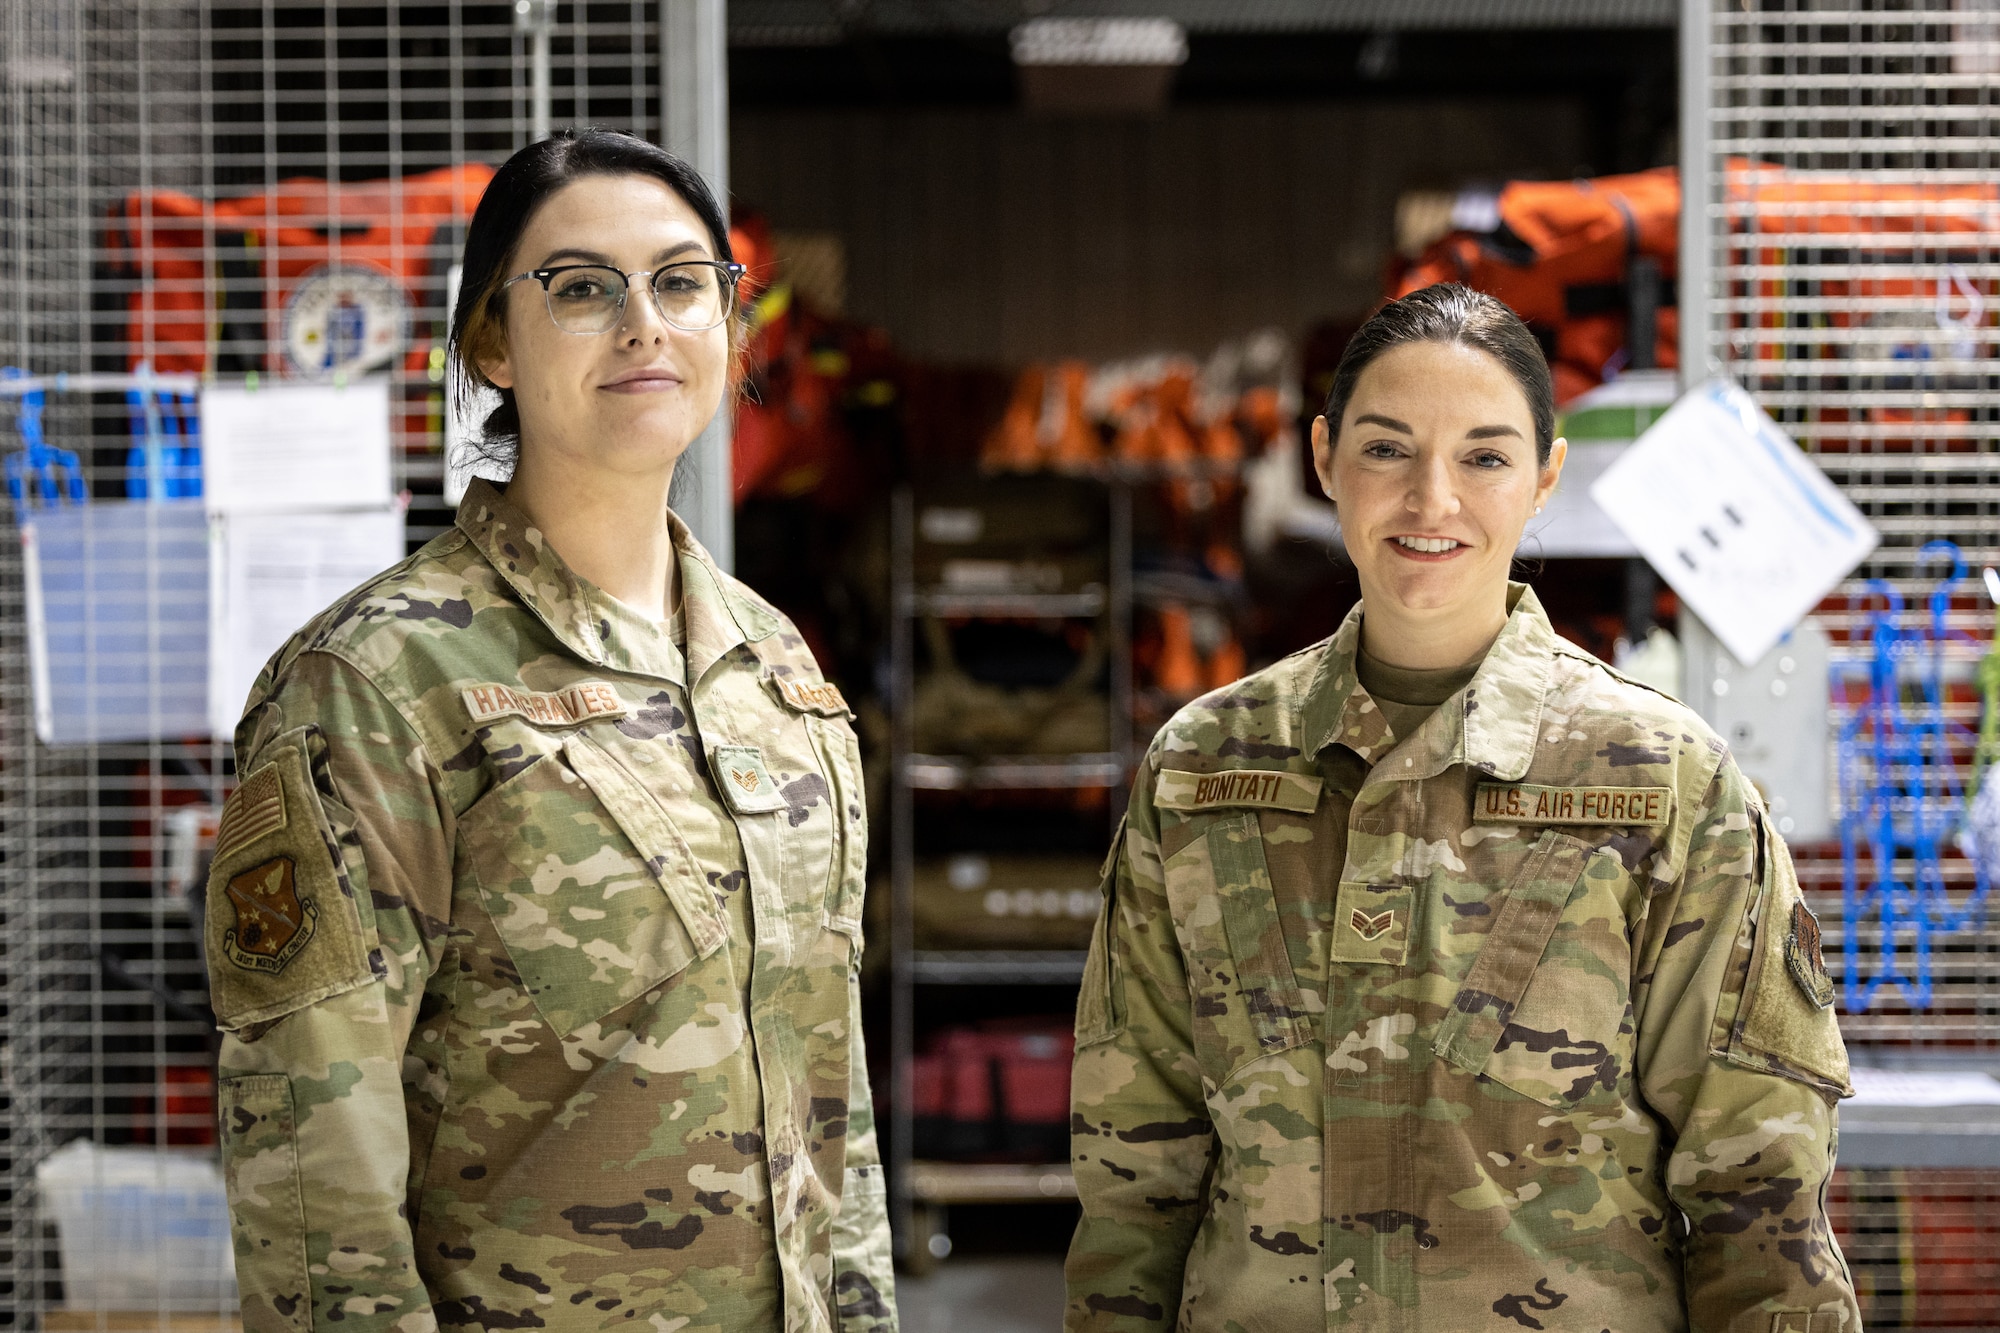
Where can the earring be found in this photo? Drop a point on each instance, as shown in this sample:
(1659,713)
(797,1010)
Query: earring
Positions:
(1538,509)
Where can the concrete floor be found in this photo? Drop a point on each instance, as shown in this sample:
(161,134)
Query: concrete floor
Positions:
(1011,1294)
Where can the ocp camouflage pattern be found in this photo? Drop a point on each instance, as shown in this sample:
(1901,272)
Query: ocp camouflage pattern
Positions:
(574,1043)
(1391,1063)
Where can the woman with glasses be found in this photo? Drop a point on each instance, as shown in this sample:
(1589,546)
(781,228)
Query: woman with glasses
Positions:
(533,924)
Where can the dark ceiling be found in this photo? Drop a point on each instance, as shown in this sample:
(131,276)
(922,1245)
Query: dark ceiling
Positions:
(1626,77)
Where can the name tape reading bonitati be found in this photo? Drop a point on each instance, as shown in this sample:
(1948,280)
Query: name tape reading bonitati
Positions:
(1523,803)
(1256,787)
(812,696)
(563,708)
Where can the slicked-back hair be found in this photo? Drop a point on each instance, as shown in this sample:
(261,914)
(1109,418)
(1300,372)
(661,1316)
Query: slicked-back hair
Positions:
(511,200)
(1449,313)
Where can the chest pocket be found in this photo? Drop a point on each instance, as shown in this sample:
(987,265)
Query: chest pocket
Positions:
(812,831)
(1546,1008)
(1246,998)
(594,892)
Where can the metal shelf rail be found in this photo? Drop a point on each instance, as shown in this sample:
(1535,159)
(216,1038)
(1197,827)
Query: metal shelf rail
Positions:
(921,1189)
(996,967)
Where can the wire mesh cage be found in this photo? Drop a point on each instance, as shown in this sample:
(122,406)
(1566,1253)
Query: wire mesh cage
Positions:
(1851,193)
(265,190)
(1854,209)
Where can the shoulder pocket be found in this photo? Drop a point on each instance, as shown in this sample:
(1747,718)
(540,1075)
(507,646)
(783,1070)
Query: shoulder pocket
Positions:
(283,928)
(840,759)
(267,1221)
(1247,1002)
(1543,1011)
(1787,1025)
(594,892)
(1097,1018)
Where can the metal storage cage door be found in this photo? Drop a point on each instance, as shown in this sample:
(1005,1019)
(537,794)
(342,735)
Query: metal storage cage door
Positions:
(1863,322)
(103,1033)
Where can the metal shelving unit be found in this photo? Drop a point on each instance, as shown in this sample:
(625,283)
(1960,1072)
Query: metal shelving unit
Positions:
(996,967)
(921,1189)
(944,1183)
(947,772)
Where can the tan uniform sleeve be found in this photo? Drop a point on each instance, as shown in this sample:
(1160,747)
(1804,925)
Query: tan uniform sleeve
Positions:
(864,1282)
(1739,1051)
(331,880)
(1141,1140)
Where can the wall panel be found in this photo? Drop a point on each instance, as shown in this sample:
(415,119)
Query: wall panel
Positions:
(991,236)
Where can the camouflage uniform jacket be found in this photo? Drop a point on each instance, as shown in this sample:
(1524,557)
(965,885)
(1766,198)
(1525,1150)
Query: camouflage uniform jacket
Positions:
(1516,1022)
(534,942)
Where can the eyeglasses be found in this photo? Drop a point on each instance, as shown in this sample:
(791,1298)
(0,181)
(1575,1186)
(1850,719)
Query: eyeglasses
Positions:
(693,296)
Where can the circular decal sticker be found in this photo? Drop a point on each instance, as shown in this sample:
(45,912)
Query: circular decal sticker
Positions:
(345,319)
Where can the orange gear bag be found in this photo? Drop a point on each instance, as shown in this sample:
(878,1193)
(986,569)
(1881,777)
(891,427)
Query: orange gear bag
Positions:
(308,278)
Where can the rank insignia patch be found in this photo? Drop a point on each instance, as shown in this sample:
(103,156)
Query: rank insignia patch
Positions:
(746,784)
(1374,923)
(1803,960)
(273,923)
(1371,927)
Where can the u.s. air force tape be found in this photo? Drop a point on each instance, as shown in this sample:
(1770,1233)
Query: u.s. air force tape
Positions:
(1256,787)
(1525,803)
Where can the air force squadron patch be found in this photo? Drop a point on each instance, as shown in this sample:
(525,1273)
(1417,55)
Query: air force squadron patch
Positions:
(1803,959)
(273,924)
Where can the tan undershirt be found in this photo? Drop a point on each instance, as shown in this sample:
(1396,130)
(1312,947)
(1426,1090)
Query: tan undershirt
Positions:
(1407,697)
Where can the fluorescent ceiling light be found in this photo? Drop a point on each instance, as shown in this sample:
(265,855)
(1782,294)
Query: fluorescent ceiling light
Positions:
(1099,42)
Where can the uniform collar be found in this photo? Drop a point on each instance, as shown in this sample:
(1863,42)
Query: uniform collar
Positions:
(1490,726)
(596,626)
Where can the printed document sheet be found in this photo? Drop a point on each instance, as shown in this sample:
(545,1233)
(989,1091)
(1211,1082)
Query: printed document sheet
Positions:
(1734,517)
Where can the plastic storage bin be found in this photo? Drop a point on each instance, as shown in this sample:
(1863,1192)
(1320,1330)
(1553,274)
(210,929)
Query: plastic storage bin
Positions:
(117,595)
(139,1228)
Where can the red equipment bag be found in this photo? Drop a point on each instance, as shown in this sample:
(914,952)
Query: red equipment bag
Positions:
(1001,1090)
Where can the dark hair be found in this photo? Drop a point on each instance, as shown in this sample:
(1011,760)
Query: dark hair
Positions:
(516,191)
(1448,313)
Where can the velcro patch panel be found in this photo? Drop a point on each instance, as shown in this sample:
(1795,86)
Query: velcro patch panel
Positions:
(1524,803)
(563,708)
(746,784)
(1259,788)
(1372,923)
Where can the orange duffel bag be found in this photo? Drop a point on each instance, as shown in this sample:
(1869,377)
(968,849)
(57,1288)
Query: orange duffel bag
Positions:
(308,278)
(1559,253)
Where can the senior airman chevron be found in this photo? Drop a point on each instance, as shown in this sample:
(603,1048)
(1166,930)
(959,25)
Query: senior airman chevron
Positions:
(1524,803)
(1258,787)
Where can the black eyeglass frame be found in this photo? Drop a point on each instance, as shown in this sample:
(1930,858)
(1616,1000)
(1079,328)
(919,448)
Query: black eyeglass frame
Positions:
(732,274)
